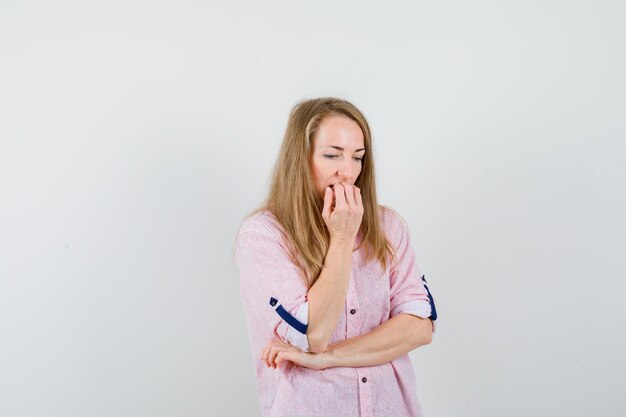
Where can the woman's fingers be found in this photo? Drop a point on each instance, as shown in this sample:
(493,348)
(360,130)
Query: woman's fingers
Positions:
(267,353)
(357,198)
(272,357)
(349,192)
(344,219)
(328,201)
(279,358)
(283,357)
(277,352)
(340,197)
(273,349)
(264,355)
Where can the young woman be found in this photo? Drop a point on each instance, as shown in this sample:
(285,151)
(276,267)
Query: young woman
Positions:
(333,297)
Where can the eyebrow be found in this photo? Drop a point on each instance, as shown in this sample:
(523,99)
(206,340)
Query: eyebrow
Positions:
(341,149)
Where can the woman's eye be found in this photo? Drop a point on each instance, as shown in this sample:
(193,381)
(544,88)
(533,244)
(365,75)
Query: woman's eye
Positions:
(335,156)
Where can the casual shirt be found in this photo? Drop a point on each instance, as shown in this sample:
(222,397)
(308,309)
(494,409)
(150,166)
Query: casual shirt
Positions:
(374,296)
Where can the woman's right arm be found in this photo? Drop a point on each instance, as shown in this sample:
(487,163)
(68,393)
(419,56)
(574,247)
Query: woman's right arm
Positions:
(326,298)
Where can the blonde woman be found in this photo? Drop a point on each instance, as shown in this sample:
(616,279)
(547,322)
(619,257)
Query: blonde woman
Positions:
(333,297)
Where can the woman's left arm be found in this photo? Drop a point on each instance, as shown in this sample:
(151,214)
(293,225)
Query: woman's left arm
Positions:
(392,339)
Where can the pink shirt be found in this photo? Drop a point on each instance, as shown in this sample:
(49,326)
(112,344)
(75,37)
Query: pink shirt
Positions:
(374,296)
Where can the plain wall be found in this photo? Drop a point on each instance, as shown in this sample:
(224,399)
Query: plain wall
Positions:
(134,137)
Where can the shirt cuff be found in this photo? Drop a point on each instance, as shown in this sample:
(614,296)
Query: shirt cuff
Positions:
(293,336)
(419,308)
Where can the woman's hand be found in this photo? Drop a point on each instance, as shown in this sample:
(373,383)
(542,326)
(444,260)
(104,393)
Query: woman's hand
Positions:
(277,352)
(344,221)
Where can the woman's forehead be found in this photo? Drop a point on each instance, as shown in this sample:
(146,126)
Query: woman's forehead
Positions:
(339,132)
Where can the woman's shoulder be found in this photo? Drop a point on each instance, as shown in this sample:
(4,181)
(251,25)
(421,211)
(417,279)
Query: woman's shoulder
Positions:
(391,221)
(261,221)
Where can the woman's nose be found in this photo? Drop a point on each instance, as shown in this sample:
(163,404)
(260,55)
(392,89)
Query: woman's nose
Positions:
(346,173)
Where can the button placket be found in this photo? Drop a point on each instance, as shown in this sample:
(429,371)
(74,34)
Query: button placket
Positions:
(352,304)
(365,393)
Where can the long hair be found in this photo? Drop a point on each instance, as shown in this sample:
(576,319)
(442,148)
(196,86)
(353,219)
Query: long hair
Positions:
(293,199)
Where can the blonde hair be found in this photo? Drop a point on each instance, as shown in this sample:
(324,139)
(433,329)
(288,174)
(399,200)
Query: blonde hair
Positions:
(293,199)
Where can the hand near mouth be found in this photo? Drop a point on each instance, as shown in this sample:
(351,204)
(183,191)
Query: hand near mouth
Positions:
(343,211)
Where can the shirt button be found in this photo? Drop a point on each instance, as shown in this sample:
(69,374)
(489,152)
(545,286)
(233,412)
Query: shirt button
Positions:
(352,311)
(364,379)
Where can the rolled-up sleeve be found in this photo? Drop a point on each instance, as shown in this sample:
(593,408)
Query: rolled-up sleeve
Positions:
(267,272)
(408,290)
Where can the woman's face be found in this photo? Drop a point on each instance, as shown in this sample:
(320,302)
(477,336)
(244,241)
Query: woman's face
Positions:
(337,152)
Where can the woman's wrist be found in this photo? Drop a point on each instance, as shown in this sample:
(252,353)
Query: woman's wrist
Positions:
(342,243)
(326,359)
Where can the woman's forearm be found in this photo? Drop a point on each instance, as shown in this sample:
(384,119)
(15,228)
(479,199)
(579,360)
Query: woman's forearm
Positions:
(327,297)
(392,339)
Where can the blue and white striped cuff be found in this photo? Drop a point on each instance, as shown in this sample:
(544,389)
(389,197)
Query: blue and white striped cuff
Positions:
(297,324)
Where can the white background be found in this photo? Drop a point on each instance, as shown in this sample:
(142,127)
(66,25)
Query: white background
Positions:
(136,135)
